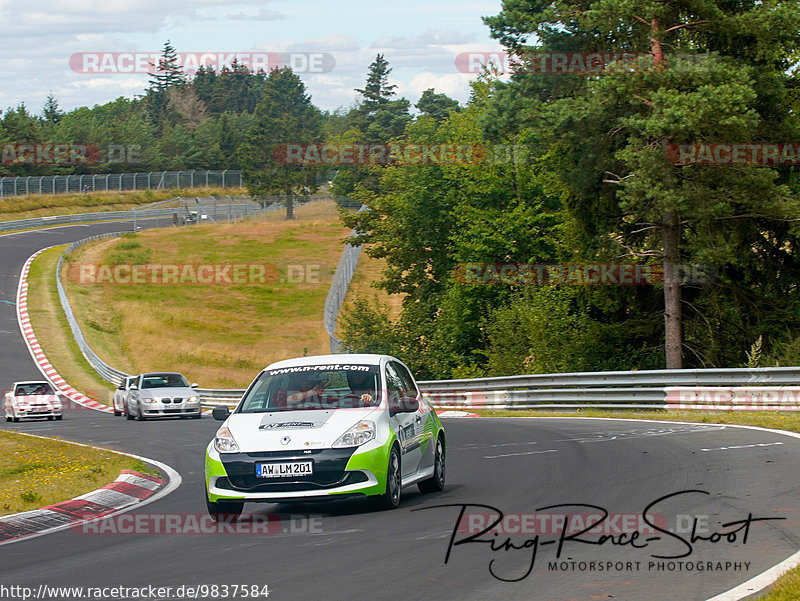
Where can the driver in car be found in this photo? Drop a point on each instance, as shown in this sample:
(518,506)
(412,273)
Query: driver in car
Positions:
(311,389)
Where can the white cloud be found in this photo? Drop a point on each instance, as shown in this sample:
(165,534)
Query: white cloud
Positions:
(41,35)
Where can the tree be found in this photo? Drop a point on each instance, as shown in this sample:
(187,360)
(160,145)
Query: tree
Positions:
(52,112)
(185,102)
(436,106)
(715,72)
(284,115)
(167,74)
(377,90)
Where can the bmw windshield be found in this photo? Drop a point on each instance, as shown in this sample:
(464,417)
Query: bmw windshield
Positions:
(164,381)
(313,387)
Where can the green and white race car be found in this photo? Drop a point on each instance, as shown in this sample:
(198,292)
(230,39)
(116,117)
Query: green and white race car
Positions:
(325,427)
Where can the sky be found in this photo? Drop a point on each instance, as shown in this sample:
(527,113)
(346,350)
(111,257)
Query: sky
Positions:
(59,47)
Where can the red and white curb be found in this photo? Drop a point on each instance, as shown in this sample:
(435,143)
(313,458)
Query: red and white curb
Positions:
(453,413)
(35,349)
(130,490)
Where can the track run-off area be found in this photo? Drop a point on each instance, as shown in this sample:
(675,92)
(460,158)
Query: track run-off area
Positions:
(591,508)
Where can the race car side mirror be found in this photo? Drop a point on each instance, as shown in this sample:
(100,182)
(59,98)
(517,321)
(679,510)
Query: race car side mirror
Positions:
(220,413)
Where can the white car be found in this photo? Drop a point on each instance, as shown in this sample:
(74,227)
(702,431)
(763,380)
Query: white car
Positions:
(324,428)
(121,394)
(161,394)
(32,399)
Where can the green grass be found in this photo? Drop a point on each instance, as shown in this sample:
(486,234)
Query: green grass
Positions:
(782,420)
(53,332)
(36,472)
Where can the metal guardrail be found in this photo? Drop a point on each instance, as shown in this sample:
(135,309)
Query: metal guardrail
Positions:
(338,290)
(213,209)
(108,373)
(653,378)
(153,180)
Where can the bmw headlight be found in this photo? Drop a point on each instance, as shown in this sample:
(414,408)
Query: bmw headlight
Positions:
(191,399)
(148,400)
(362,432)
(224,442)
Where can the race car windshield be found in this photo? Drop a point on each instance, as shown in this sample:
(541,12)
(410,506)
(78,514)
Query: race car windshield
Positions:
(314,387)
(164,381)
(32,389)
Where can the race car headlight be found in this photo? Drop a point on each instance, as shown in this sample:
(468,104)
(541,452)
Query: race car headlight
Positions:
(224,442)
(362,432)
(191,399)
(149,400)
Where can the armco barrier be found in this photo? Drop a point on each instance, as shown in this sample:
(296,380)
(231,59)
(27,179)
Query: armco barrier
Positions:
(220,207)
(338,290)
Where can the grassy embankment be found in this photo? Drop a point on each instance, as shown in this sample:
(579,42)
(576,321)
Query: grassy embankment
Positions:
(217,335)
(38,472)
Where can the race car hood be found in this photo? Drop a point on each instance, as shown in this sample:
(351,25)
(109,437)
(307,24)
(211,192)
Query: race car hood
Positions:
(37,399)
(181,392)
(256,432)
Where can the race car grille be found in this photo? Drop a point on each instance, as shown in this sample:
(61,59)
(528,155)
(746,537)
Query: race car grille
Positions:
(287,487)
(328,464)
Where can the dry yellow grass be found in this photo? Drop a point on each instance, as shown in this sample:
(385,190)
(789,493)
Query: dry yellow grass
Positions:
(219,336)
(369,271)
(38,472)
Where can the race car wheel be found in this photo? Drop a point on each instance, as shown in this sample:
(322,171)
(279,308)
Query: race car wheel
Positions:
(391,498)
(224,510)
(436,482)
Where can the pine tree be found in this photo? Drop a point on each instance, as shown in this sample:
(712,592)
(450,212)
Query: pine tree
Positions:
(51,112)
(377,90)
(284,115)
(168,72)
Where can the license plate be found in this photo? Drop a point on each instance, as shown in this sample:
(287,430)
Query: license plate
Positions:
(284,469)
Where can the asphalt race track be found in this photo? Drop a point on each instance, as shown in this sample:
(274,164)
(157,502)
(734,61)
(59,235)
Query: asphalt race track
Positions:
(345,550)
